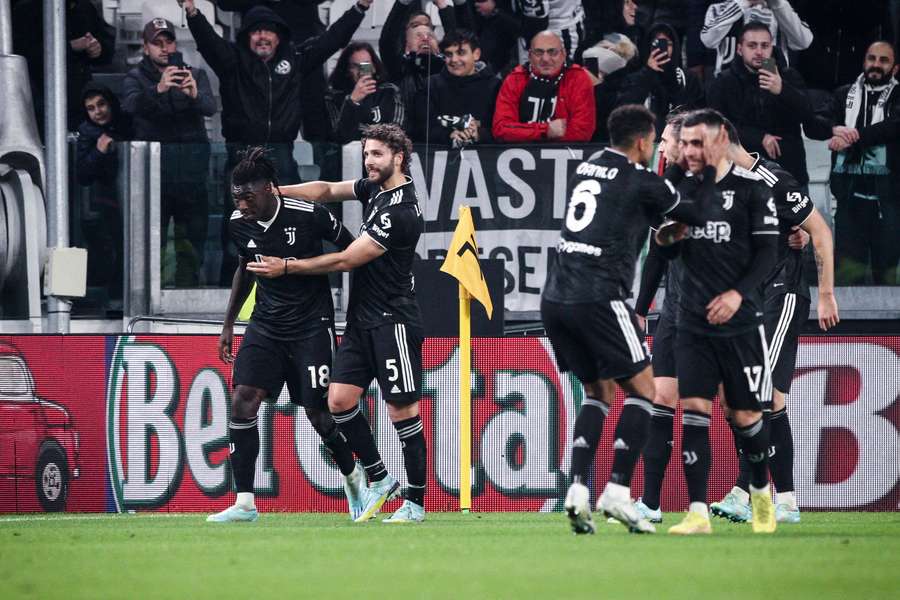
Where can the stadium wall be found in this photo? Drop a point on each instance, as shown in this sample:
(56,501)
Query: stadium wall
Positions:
(142,422)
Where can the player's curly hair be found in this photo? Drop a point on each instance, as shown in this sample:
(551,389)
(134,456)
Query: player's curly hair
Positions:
(393,137)
(254,166)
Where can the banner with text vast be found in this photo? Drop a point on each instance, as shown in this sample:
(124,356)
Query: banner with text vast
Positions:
(518,197)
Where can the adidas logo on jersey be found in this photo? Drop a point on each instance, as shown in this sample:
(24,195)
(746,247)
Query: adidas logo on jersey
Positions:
(620,444)
(580,442)
(251,244)
(395,389)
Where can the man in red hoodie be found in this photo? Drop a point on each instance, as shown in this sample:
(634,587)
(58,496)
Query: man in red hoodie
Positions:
(546,98)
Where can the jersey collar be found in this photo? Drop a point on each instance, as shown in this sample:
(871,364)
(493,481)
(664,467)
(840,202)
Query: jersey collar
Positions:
(266,224)
(405,183)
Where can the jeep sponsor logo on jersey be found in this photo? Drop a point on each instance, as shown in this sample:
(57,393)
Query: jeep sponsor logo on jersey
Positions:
(717,231)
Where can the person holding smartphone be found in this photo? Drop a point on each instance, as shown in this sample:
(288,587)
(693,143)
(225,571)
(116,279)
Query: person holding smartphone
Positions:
(358,95)
(663,83)
(168,101)
(765,100)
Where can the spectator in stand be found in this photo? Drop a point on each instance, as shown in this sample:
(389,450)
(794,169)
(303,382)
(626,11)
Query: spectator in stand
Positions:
(606,63)
(91,43)
(411,64)
(260,77)
(168,103)
(565,18)
(461,97)
(865,177)
(662,84)
(766,106)
(97,167)
(546,98)
(358,95)
(302,18)
(724,21)
(498,31)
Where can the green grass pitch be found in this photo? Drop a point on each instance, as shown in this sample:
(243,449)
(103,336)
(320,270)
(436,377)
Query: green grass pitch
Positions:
(489,555)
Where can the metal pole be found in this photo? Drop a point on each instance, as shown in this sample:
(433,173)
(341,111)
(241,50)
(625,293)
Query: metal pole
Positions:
(55,147)
(6,45)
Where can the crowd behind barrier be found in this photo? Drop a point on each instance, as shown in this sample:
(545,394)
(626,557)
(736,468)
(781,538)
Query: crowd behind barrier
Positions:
(457,74)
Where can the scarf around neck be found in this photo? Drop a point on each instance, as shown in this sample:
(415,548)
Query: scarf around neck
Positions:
(856,100)
(538,101)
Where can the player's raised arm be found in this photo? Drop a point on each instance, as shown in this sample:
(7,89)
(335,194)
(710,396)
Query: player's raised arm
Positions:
(320,191)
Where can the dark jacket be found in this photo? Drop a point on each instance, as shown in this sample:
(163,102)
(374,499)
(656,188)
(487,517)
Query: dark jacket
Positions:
(756,112)
(28,41)
(93,167)
(409,71)
(169,117)
(606,99)
(261,100)
(498,35)
(886,133)
(453,96)
(661,92)
(348,118)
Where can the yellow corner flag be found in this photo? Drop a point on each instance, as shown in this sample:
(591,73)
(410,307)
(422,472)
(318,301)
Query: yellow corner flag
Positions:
(462,261)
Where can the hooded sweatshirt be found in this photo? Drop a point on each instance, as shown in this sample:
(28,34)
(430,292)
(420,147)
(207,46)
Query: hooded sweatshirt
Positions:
(261,100)
(453,96)
(93,167)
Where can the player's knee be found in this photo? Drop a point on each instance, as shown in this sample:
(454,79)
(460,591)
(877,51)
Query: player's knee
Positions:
(321,421)
(745,418)
(341,399)
(245,401)
(667,393)
(700,405)
(399,411)
(777,400)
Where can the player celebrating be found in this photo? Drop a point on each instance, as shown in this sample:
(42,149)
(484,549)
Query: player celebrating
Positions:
(613,202)
(720,338)
(786,308)
(290,337)
(384,330)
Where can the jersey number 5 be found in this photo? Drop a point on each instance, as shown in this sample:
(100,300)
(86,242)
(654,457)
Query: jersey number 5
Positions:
(584,196)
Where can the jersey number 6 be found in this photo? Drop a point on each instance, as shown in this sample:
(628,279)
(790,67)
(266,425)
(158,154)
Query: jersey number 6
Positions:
(584,195)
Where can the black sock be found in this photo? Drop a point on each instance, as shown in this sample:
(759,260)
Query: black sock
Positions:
(755,442)
(244,437)
(657,453)
(631,435)
(412,439)
(743,478)
(586,436)
(781,461)
(340,451)
(355,427)
(696,454)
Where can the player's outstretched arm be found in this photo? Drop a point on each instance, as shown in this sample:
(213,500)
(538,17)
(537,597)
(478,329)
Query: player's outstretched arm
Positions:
(320,191)
(360,252)
(240,289)
(823,247)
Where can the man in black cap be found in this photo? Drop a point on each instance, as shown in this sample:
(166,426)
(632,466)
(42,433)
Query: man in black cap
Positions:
(260,81)
(169,101)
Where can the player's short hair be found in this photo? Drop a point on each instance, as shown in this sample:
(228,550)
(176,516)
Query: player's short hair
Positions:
(704,116)
(675,119)
(628,123)
(458,37)
(254,166)
(393,137)
(753,26)
(732,133)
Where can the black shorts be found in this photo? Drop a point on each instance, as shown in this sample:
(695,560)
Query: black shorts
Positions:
(305,365)
(392,353)
(597,340)
(739,363)
(785,315)
(663,355)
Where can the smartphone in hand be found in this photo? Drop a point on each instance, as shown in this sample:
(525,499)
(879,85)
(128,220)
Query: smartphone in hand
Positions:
(768,64)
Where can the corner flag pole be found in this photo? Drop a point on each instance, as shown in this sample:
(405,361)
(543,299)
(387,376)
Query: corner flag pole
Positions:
(462,263)
(465,400)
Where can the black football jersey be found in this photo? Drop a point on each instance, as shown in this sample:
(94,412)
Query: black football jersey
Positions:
(290,307)
(612,205)
(717,256)
(794,207)
(383,290)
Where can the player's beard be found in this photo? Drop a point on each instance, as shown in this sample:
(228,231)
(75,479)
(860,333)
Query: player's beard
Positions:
(382,175)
